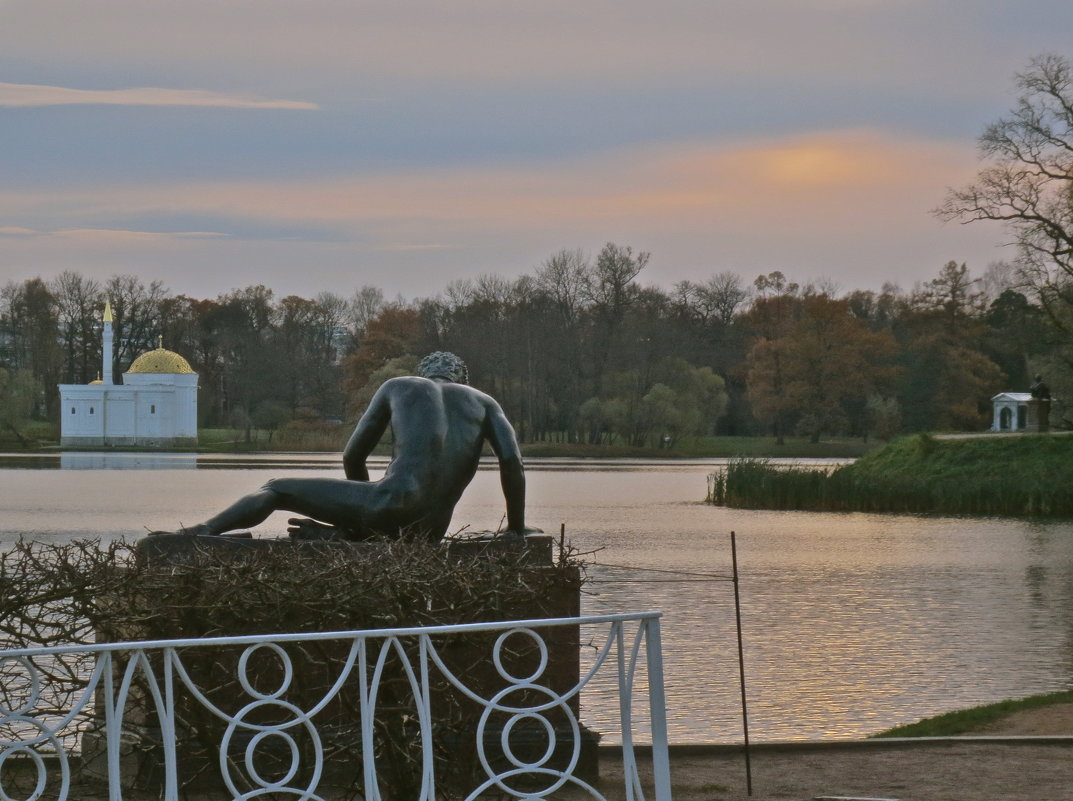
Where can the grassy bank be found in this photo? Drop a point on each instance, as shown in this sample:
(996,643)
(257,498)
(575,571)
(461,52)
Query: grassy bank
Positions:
(970,721)
(1001,475)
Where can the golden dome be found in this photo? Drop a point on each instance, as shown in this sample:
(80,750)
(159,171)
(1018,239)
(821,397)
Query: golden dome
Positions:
(160,361)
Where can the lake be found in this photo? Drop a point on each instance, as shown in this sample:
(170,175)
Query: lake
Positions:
(853,622)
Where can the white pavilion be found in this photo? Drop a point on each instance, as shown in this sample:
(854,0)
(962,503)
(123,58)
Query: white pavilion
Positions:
(155,406)
(1010,411)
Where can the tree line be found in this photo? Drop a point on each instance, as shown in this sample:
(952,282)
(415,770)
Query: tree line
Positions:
(579,350)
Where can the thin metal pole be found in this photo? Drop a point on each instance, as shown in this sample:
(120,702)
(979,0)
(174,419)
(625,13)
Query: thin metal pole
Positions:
(741,667)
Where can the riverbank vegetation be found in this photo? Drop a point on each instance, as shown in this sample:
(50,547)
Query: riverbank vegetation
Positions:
(972,720)
(1000,475)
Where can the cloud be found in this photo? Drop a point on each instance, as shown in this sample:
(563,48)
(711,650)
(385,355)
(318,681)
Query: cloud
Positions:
(105,235)
(801,178)
(675,185)
(120,236)
(25,94)
(914,44)
(850,204)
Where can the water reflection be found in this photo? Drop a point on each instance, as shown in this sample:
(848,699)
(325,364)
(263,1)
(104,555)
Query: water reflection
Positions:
(853,622)
(128,461)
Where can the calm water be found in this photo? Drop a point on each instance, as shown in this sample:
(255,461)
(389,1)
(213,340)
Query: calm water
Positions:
(853,623)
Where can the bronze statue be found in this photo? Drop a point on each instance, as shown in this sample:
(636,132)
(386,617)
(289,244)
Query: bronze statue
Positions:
(440,425)
(1039,390)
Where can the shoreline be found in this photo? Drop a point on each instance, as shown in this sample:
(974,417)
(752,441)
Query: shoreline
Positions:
(685,750)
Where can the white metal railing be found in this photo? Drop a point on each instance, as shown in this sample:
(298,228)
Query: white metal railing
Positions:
(142,695)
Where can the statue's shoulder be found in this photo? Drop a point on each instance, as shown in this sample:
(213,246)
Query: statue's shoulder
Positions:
(469,392)
(404,382)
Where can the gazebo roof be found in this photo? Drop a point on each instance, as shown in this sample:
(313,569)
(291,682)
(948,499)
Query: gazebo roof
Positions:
(1014,397)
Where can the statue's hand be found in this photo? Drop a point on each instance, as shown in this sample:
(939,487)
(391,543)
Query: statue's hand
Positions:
(302,528)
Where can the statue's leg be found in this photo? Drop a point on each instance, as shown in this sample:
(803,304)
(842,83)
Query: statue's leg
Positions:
(332,500)
(246,512)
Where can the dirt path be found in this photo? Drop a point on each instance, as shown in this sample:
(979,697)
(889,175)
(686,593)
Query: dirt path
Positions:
(953,772)
(982,770)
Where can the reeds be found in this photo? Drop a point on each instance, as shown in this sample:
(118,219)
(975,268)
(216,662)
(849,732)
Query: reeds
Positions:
(1001,476)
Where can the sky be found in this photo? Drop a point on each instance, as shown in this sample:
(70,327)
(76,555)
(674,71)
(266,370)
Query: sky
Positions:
(323,145)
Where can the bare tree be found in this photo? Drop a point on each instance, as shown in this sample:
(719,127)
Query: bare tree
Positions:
(365,304)
(611,290)
(721,296)
(79,301)
(1028,184)
(137,315)
(563,278)
(999,277)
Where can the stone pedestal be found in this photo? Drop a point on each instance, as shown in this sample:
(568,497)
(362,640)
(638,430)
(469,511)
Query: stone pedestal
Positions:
(1039,416)
(469,657)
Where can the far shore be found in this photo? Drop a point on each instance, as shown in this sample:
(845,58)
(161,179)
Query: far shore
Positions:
(221,441)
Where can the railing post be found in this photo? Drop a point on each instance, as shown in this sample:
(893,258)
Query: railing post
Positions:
(111,728)
(657,704)
(625,712)
(428,770)
(371,790)
(167,728)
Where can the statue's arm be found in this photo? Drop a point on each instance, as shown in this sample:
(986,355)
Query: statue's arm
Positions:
(504,443)
(366,434)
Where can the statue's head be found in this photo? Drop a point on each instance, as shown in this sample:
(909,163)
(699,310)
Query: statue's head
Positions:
(442,364)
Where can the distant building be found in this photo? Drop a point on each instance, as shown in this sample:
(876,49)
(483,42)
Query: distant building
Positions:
(1010,411)
(155,406)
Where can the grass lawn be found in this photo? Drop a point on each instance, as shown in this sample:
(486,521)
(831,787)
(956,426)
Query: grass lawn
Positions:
(967,721)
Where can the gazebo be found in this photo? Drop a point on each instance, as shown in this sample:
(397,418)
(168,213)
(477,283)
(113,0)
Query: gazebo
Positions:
(1010,411)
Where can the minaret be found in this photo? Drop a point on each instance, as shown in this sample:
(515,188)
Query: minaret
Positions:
(106,345)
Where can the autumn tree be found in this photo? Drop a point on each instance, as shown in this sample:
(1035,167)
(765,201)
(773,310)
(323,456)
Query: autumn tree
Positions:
(819,368)
(768,322)
(947,375)
(394,332)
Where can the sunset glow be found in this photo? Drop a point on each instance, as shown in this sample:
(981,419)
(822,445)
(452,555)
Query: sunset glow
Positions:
(214,145)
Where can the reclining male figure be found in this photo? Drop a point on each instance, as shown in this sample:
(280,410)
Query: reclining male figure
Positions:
(440,425)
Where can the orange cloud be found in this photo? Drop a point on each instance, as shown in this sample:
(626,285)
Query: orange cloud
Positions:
(840,182)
